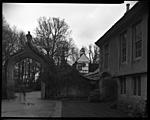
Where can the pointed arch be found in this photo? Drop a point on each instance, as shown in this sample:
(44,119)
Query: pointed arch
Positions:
(29,51)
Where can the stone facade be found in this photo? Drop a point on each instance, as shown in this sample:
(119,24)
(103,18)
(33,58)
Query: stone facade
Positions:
(83,64)
(131,75)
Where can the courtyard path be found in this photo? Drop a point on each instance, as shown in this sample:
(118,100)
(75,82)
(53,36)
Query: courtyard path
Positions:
(87,109)
(34,107)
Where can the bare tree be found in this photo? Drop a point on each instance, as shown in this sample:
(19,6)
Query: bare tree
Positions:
(50,32)
(96,54)
(93,53)
(90,53)
(84,50)
(12,40)
(10,45)
(74,54)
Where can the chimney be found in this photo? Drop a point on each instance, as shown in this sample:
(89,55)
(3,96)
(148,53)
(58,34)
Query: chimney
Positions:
(127,7)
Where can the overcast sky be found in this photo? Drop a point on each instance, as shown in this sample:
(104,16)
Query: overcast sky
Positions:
(88,22)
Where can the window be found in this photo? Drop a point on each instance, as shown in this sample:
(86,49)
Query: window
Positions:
(137,40)
(106,56)
(123,42)
(79,66)
(136,85)
(123,85)
(83,64)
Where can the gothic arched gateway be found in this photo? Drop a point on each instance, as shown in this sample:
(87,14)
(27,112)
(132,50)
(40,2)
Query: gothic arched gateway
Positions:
(29,51)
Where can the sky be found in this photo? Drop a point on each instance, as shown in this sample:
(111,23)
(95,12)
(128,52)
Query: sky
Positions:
(88,22)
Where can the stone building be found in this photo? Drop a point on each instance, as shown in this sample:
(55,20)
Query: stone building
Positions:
(123,55)
(82,64)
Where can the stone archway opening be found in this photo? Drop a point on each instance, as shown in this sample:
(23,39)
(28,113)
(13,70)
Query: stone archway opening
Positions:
(11,74)
(33,53)
(27,72)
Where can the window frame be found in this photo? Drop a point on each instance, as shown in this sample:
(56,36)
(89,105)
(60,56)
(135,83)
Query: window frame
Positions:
(136,86)
(135,41)
(123,48)
(79,66)
(83,64)
(123,84)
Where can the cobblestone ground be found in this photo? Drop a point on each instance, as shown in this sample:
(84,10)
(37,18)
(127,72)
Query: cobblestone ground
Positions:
(86,109)
(34,107)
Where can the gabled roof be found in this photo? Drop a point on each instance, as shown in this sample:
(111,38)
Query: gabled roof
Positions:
(83,58)
(138,9)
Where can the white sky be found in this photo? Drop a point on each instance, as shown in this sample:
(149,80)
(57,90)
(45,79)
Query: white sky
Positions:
(88,22)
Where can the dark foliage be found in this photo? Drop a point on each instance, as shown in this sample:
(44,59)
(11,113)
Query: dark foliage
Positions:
(93,67)
(3,91)
(66,79)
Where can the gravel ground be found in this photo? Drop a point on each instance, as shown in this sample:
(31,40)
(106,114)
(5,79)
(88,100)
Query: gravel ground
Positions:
(86,109)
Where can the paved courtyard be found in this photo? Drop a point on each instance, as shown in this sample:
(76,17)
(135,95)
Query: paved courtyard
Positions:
(34,107)
(86,109)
